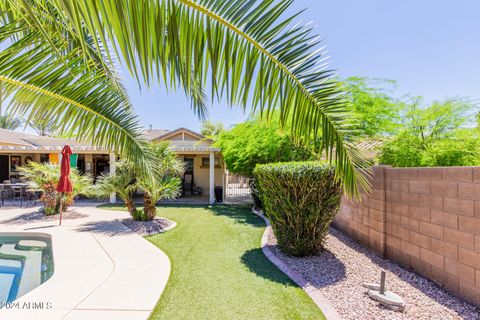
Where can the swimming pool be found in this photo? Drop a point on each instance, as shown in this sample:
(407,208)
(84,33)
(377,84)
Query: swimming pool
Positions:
(26,261)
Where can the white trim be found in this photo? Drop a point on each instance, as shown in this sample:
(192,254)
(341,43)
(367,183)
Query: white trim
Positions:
(212,177)
(113,195)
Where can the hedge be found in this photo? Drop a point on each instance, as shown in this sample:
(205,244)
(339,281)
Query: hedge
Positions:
(300,199)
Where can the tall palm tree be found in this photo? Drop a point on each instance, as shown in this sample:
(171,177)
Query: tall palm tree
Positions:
(63,53)
(9,122)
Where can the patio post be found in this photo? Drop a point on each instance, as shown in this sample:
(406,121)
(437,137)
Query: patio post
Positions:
(212,178)
(113,195)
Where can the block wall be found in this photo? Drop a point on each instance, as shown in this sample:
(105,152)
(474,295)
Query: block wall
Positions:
(427,219)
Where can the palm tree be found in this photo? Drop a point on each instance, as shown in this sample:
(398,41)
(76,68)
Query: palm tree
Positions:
(128,177)
(62,54)
(7,121)
(44,127)
(123,183)
(167,182)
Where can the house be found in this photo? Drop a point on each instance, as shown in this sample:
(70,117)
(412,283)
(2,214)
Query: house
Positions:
(203,163)
(205,168)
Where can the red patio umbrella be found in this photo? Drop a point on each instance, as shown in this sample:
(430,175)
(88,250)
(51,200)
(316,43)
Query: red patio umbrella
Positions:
(64,184)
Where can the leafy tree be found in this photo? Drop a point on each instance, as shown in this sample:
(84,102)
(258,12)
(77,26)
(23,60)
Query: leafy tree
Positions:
(439,134)
(258,142)
(212,130)
(375,111)
(182,44)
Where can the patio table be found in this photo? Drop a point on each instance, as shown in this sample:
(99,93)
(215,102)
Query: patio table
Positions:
(21,188)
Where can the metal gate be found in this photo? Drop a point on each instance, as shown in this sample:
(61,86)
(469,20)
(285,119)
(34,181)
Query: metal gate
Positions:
(237,189)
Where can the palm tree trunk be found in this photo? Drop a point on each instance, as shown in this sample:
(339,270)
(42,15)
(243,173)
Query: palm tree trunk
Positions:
(149,207)
(131,206)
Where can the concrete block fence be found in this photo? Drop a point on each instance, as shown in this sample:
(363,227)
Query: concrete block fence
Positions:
(427,219)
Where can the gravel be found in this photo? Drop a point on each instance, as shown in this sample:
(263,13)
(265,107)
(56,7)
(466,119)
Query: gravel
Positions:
(149,228)
(345,265)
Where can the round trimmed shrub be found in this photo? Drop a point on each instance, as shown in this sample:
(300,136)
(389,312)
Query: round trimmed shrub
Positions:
(300,199)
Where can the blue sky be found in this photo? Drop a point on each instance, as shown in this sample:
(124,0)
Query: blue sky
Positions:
(432,48)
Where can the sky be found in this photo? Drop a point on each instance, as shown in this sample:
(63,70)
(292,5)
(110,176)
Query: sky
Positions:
(430,47)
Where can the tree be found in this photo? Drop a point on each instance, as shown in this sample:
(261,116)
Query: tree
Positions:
(252,52)
(167,183)
(45,176)
(128,177)
(258,142)
(212,130)
(44,127)
(375,112)
(439,134)
(7,121)
(123,183)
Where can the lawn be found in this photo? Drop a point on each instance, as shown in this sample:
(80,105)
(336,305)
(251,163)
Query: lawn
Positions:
(219,270)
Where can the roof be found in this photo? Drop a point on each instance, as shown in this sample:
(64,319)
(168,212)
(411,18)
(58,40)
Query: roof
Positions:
(154,134)
(30,140)
(162,134)
(20,141)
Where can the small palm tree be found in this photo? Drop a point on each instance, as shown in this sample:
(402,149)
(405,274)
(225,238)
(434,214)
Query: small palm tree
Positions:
(167,182)
(45,176)
(123,183)
(163,183)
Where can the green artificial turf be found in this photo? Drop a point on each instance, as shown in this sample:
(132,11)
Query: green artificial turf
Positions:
(219,270)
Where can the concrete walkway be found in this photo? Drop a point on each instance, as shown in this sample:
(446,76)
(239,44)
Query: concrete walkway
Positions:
(102,270)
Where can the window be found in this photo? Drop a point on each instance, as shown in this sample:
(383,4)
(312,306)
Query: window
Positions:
(206,162)
(188,165)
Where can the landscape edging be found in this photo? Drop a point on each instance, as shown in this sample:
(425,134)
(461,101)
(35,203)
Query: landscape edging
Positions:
(320,300)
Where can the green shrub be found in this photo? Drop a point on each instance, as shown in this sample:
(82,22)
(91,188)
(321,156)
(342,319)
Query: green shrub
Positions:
(300,199)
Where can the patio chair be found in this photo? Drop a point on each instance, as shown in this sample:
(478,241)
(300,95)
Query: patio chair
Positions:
(19,193)
(5,193)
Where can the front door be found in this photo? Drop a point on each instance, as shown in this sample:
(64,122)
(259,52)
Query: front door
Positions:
(187,183)
(4,168)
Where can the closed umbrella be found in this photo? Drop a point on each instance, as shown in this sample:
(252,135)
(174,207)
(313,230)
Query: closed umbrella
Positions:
(64,184)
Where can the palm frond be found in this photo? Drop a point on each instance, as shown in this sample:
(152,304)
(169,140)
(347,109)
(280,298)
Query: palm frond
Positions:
(80,100)
(248,51)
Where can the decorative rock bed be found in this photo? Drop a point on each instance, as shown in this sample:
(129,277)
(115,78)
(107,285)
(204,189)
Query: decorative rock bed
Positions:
(339,272)
(149,228)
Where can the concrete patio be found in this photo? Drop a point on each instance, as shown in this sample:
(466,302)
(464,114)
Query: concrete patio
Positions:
(103,270)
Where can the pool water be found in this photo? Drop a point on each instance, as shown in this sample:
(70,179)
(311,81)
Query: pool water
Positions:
(26,261)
